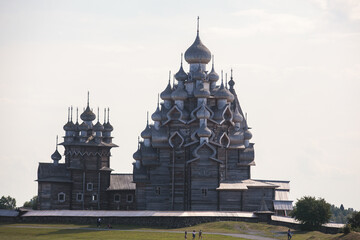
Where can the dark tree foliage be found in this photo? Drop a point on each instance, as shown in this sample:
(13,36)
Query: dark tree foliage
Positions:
(7,202)
(311,212)
(340,215)
(32,203)
(354,221)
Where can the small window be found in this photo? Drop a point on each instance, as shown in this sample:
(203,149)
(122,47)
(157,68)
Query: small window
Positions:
(94,197)
(204,192)
(61,197)
(89,186)
(117,198)
(129,198)
(158,190)
(79,197)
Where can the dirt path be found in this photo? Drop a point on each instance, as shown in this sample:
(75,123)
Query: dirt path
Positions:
(238,235)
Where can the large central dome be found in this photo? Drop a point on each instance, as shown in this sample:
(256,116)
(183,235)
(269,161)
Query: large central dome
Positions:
(198,52)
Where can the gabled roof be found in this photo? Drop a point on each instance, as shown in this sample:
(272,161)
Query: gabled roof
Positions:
(49,172)
(244,185)
(123,181)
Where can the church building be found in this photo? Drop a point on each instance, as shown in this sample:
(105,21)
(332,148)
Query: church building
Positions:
(195,156)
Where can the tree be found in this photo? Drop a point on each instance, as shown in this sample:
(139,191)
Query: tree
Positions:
(342,207)
(311,213)
(354,221)
(31,204)
(7,202)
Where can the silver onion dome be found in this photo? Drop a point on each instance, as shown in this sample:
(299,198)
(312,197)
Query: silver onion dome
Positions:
(69,126)
(156,116)
(98,127)
(146,133)
(179,93)
(56,156)
(198,74)
(213,76)
(247,134)
(181,74)
(87,115)
(166,94)
(83,127)
(108,127)
(237,116)
(223,93)
(137,155)
(198,52)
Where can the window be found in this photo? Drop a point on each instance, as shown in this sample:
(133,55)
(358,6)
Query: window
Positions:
(129,198)
(79,197)
(61,197)
(89,186)
(94,197)
(204,192)
(158,190)
(117,198)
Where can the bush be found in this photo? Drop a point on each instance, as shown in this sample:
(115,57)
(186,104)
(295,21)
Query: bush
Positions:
(354,221)
(31,204)
(346,229)
(311,213)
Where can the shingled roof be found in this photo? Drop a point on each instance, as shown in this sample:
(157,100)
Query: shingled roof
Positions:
(121,182)
(49,172)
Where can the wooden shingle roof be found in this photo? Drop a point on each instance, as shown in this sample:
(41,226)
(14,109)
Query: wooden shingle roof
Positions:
(122,181)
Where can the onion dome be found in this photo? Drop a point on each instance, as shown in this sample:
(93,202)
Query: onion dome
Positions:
(146,133)
(83,127)
(203,131)
(247,134)
(213,76)
(201,91)
(87,115)
(137,155)
(198,52)
(203,113)
(56,156)
(237,116)
(108,127)
(223,93)
(166,94)
(198,74)
(98,127)
(181,74)
(69,126)
(156,116)
(179,93)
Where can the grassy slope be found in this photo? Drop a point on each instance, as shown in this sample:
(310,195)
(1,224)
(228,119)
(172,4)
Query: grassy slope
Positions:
(51,231)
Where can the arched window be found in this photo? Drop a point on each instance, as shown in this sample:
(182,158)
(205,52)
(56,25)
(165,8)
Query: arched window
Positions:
(61,197)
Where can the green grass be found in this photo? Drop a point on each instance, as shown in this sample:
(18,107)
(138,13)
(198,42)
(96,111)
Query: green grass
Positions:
(90,232)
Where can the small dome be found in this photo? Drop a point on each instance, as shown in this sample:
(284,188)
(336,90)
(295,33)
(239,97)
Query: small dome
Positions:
(247,134)
(69,126)
(237,116)
(204,131)
(108,127)
(181,74)
(137,155)
(198,52)
(83,127)
(203,113)
(179,93)
(87,115)
(98,127)
(223,93)
(166,94)
(156,116)
(146,133)
(56,156)
(201,91)
(213,76)
(198,74)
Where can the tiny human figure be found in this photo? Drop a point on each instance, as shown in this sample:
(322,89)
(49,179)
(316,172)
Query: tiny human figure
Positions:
(193,235)
(200,234)
(98,222)
(289,234)
(185,234)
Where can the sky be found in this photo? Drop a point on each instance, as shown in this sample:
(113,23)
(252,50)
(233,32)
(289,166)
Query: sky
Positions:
(296,69)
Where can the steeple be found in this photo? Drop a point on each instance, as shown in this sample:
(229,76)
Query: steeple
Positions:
(88,115)
(181,74)
(231,82)
(198,52)
(56,157)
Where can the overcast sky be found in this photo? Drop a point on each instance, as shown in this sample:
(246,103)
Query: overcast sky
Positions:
(296,67)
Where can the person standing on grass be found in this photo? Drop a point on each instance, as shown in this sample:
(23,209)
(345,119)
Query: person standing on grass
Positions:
(200,234)
(185,235)
(194,235)
(98,222)
(289,234)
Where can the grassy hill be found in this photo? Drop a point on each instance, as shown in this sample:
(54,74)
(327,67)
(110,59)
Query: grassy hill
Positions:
(215,230)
